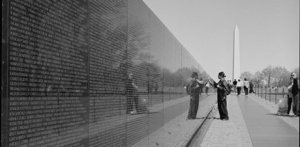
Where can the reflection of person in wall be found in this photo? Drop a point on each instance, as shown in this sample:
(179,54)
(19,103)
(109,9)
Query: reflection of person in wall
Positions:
(193,89)
(149,87)
(156,87)
(131,92)
(57,90)
(223,88)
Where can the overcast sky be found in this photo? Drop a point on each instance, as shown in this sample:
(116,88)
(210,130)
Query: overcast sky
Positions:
(269,31)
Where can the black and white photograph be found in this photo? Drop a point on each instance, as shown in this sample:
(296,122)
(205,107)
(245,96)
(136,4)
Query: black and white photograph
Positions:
(150,73)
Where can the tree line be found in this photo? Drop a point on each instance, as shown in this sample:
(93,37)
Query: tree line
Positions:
(270,76)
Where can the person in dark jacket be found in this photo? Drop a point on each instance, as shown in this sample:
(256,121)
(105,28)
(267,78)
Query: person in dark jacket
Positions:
(222,88)
(295,94)
(234,84)
(246,86)
(193,89)
(251,88)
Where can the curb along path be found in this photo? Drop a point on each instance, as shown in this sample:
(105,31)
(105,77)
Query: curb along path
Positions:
(179,131)
(231,133)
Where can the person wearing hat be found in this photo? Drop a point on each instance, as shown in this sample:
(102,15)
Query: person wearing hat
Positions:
(193,89)
(222,91)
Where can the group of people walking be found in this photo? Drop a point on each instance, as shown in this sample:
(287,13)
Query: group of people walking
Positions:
(246,85)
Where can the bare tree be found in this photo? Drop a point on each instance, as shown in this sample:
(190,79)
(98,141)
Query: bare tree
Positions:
(275,76)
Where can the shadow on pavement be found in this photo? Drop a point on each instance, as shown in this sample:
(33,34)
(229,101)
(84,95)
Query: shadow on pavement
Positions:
(138,113)
(207,118)
(284,115)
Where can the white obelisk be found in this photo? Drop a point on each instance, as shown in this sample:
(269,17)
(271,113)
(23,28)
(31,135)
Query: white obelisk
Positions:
(236,54)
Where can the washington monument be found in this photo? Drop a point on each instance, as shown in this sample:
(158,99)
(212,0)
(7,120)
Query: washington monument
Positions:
(236,54)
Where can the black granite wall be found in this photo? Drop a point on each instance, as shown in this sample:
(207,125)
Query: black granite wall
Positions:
(65,67)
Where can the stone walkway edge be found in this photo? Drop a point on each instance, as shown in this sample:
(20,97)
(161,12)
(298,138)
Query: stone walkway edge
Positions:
(231,133)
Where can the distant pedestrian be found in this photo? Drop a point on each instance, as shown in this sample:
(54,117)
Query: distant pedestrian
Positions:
(246,86)
(239,86)
(251,87)
(207,86)
(193,89)
(223,90)
(234,84)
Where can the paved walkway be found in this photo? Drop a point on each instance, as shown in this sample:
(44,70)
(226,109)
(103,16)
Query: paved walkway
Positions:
(252,122)
(178,131)
(266,128)
(231,133)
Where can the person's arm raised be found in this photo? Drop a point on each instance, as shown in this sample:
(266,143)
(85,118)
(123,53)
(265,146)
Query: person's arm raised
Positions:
(200,82)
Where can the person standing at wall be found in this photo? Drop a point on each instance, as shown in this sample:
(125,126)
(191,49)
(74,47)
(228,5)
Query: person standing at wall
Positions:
(246,86)
(193,89)
(239,86)
(223,90)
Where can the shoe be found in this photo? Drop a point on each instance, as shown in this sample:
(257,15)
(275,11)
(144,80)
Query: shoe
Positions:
(224,118)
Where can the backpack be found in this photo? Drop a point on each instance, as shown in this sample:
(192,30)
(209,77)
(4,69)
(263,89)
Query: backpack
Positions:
(190,88)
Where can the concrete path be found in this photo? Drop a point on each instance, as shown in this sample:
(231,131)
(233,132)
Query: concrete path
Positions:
(267,129)
(231,133)
(273,108)
(178,131)
(252,123)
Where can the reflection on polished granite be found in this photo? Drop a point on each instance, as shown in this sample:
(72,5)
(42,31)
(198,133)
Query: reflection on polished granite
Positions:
(67,69)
